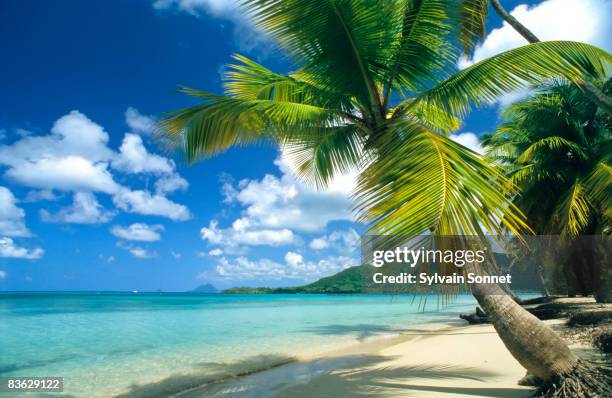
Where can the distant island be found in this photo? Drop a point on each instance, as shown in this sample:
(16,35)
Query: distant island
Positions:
(344,282)
(207,288)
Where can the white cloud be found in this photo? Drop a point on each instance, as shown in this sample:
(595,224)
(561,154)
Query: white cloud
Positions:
(286,203)
(42,195)
(294,259)
(294,267)
(240,234)
(577,20)
(176,255)
(215,252)
(343,241)
(134,158)
(171,183)
(10,250)
(142,202)
(108,260)
(11,217)
(136,251)
(138,231)
(85,209)
(71,135)
(319,243)
(468,140)
(246,35)
(71,173)
(2,274)
(139,123)
(215,7)
(75,157)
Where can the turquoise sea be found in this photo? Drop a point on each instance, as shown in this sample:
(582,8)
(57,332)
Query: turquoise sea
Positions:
(157,344)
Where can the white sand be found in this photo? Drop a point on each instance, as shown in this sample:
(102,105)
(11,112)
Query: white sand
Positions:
(429,361)
(467,361)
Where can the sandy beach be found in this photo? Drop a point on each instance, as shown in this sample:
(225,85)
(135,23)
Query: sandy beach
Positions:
(435,360)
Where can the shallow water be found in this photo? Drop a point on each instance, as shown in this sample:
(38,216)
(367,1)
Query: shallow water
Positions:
(134,345)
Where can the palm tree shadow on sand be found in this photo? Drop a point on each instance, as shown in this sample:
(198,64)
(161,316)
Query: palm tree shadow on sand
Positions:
(341,376)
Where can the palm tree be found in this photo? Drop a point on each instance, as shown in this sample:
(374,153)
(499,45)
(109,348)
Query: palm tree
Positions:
(363,96)
(473,15)
(557,149)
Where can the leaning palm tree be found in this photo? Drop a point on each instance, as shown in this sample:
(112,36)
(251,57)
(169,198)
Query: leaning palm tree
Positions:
(557,149)
(364,96)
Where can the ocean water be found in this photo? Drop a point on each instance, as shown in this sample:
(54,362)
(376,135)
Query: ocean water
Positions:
(155,345)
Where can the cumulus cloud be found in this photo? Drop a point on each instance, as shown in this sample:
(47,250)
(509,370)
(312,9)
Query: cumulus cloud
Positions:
(294,267)
(171,183)
(342,241)
(136,251)
(240,233)
(75,157)
(285,202)
(246,36)
(215,252)
(138,232)
(134,158)
(319,243)
(194,7)
(577,20)
(468,140)
(11,217)
(42,195)
(274,208)
(71,173)
(143,202)
(139,123)
(85,209)
(9,249)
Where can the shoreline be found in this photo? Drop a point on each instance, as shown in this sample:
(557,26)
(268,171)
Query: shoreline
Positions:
(438,359)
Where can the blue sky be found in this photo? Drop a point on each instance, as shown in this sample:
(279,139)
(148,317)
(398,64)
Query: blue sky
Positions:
(89,202)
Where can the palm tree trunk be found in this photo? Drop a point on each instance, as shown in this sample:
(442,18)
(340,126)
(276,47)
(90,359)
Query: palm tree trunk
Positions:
(594,93)
(538,348)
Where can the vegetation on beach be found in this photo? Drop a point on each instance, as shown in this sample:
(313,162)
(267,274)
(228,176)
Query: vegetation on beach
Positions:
(375,89)
(555,146)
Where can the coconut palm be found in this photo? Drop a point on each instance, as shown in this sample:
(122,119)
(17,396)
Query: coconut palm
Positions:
(557,148)
(473,15)
(364,96)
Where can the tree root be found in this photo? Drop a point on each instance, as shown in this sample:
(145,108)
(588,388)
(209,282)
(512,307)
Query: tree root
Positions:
(587,380)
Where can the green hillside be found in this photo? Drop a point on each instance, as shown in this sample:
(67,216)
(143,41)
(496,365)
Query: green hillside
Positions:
(346,281)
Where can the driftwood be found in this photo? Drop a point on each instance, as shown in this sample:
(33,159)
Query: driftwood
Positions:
(478,317)
(590,317)
(602,339)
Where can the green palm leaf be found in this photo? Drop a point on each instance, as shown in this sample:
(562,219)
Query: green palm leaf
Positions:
(485,81)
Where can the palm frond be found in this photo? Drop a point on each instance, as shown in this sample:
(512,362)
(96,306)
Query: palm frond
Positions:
(472,18)
(427,182)
(222,122)
(553,143)
(320,154)
(422,50)
(343,43)
(485,81)
(573,213)
(434,118)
